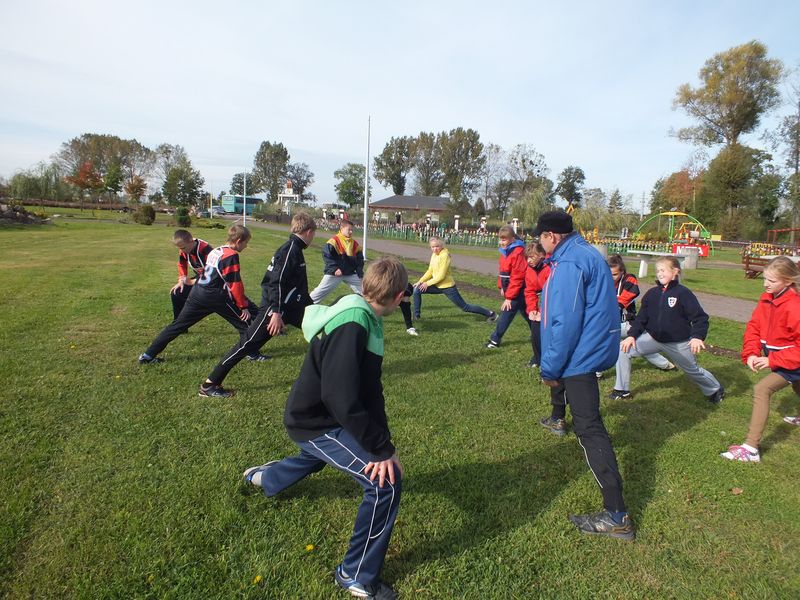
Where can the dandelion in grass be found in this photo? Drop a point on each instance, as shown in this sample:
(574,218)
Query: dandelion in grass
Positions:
(256,579)
(309,547)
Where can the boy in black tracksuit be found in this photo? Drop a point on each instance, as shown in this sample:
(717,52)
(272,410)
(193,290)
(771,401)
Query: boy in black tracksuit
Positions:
(335,414)
(284,297)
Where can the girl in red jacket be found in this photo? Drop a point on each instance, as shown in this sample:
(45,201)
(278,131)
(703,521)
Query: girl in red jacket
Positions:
(774,331)
(535,278)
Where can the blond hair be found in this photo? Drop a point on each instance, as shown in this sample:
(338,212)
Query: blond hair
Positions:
(238,232)
(182,235)
(506,232)
(302,222)
(384,280)
(671,261)
(784,268)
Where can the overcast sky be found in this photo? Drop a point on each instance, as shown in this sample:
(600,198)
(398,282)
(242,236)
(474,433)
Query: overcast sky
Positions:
(586,83)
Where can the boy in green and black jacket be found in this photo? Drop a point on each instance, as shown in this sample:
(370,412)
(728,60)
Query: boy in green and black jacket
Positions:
(335,414)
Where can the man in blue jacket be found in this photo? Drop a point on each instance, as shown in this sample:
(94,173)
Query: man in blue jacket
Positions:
(580,336)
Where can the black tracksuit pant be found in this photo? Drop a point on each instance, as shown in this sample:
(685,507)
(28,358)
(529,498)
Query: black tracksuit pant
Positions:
(582,392)
(252,341)
(179,300)
(200,304)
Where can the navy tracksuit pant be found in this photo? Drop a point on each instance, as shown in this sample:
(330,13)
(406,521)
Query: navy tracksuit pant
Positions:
(377,512)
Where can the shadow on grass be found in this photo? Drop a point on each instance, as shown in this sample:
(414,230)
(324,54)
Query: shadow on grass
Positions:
(490,498)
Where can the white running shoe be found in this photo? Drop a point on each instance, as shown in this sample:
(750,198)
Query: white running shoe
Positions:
(411,331)
(792,420)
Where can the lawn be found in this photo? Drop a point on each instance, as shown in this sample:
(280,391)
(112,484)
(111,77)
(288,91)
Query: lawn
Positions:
(119,481)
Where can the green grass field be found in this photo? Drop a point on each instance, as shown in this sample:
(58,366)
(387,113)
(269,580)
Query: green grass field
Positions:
(118,481)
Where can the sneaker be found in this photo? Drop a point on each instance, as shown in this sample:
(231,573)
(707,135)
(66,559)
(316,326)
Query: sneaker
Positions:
(411,331)
(492,317)
(378,591)
(212,390)
(255,472)
(669,367)
(599,374)
(717,396)
(491,345)
(553,425)
(619,394)
(602,523)
(532,364)
(792,420)
(741,454)
(258,357)
(146,359)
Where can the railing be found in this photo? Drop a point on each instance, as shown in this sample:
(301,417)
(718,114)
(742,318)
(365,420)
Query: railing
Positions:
(464,237)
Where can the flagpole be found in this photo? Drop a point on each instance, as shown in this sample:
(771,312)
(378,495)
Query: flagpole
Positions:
(244,199)
(366,193)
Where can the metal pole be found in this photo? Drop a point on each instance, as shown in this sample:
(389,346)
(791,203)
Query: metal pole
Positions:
(366,193)
(244,199)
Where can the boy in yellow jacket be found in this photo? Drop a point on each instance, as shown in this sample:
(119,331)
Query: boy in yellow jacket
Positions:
(437,280)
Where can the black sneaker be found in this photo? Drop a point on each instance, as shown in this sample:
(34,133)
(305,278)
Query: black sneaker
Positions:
(556,426)
(258,357)
(717,396)
(491,345)
(378,591)
(602,523)
(146,359)
(492,317)
(619,394)
(212,390)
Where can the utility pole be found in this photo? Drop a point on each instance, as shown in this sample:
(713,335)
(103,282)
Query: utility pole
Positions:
(366,193)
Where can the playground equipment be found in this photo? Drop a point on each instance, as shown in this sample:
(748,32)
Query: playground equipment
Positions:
(684,231)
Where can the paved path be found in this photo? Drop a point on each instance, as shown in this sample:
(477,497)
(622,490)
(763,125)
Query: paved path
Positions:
(715,305)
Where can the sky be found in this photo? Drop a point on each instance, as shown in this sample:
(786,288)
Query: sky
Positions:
(589,84)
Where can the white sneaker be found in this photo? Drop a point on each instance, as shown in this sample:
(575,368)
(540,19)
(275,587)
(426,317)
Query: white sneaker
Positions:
(411,331)
(253,474)
(792,420)
(741,454)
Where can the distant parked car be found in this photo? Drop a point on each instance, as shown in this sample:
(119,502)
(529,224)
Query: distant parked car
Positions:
(218,211)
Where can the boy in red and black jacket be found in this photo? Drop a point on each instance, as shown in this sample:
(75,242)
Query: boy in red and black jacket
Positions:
(219,290)
(511,281)
(284,297)
(193,252)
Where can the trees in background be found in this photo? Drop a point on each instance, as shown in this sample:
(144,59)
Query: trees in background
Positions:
(301,177)
(350,188)
(393,165)
(570,185)
(237,186)
(183,185)
(269,169)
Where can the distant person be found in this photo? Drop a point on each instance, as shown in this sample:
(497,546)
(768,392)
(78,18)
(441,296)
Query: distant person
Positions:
(627,292)
(771,341)
(193,253)
(344,263)
(511,281)
(438,280)
(670,321)
(219,290)
(284,297)
(336,414)
(580,335)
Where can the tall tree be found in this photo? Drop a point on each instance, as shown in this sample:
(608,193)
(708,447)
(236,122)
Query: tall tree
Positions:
(615,202)
(238,181)
(86,179)
(738,87)
(495,168)
(350,189)
(301,177)
(394,163)
(184,185)
(461,158)
(135,188)
(570,184)
(269,169)
(527,167)
(428,175)
(112,180)
(168,156)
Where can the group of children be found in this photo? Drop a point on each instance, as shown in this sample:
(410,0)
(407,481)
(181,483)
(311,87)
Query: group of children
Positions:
(335,411)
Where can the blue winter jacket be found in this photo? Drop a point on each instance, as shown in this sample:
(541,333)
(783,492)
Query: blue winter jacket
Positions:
(580,316)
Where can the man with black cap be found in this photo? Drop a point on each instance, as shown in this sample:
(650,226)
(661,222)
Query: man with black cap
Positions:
(580,336)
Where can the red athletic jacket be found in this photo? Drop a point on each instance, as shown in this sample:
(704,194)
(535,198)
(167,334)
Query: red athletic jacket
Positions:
(513,267)
(535,278)
(196,258)
(775,328)
(222,273)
